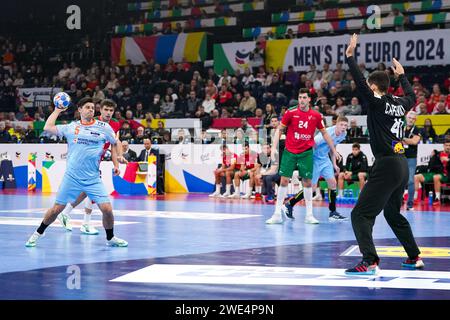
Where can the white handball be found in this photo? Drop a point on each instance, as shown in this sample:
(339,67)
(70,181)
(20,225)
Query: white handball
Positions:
(61,100)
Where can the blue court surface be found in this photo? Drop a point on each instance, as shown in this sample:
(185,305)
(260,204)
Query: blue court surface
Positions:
(194,247)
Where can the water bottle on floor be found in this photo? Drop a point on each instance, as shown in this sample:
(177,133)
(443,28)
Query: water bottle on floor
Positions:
(430,198)
(326,194)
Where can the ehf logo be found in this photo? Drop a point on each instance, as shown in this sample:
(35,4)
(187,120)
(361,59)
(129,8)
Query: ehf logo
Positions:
(242,58)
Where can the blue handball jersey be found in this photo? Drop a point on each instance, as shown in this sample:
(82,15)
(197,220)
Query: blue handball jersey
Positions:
(85,144)
(321,149)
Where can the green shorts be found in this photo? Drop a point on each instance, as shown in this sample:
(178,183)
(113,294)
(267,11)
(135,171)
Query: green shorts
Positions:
(303,162)
(243,178)
(429,177)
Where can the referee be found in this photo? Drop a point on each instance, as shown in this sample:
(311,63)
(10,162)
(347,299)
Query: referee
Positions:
(389,176)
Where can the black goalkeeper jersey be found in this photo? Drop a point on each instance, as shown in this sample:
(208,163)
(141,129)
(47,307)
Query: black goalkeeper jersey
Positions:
(385,115)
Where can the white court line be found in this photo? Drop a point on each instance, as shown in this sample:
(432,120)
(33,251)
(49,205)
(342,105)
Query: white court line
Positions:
(23,221)
(250,275)
(153,214)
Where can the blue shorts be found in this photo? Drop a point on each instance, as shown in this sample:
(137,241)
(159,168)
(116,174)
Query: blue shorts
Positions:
(322,168)
(70,189)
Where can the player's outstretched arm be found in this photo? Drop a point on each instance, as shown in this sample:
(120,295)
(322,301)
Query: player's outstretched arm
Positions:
(50,124)
(330,143)
(358,77)
(409,100)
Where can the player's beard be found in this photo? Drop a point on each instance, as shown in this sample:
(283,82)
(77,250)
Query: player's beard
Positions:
(88,117)
(304,107)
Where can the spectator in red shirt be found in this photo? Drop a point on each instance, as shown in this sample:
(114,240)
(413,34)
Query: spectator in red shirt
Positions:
(133,124)
(224,97)
(434,97)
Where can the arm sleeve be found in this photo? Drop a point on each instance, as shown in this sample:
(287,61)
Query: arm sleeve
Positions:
(110,135)
(286,119)
(360,81)
(364,164)
(409,100)
(62,130)
(347,162)
(320,124)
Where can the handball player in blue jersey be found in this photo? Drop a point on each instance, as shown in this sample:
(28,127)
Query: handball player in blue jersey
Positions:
(324,167)
(85,139)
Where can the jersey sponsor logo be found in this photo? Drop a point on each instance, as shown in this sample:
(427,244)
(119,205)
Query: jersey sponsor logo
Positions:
(394,110)
(302,136)
(398,148)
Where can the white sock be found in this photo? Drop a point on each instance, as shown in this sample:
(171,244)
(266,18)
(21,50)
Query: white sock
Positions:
(237,189)
(228,188)
(87,218)
(438,195)
(217,188)
(67,209)
(282,192)
(258,189)
(317,190)
(415,195)
(340,193)
(308,201)
(88,204)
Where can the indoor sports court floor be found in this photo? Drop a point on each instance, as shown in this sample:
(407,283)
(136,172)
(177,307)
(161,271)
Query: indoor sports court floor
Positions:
(192,247)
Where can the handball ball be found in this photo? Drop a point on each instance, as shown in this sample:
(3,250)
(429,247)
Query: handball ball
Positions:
(61,100)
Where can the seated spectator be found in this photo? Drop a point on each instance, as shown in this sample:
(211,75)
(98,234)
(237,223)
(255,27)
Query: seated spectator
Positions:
(5,137)
(192,104)
(127,153)
(354,131)
(130,119)
(441,108)
(421,109)
(239,137)
(434,98)
(204,117)
(139,113)
(354,108)
(340,106)
(356,169)
(437,172)
(21,113)
(224,97)
(209,103)
(267,174)
(148,151)
(30,135)
(167,107)
(155,105)
(125,132)
(139,136)
(225,77)
(427,132)
(247,79)
(225,169)
(247,106)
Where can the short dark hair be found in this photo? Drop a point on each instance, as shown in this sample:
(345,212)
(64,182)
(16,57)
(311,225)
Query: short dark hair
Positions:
(108,103)
(304,90)
(380,79)
(356,145)
(85,100)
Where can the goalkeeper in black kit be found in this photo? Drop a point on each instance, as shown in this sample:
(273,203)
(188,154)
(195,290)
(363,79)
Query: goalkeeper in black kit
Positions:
(389,176)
